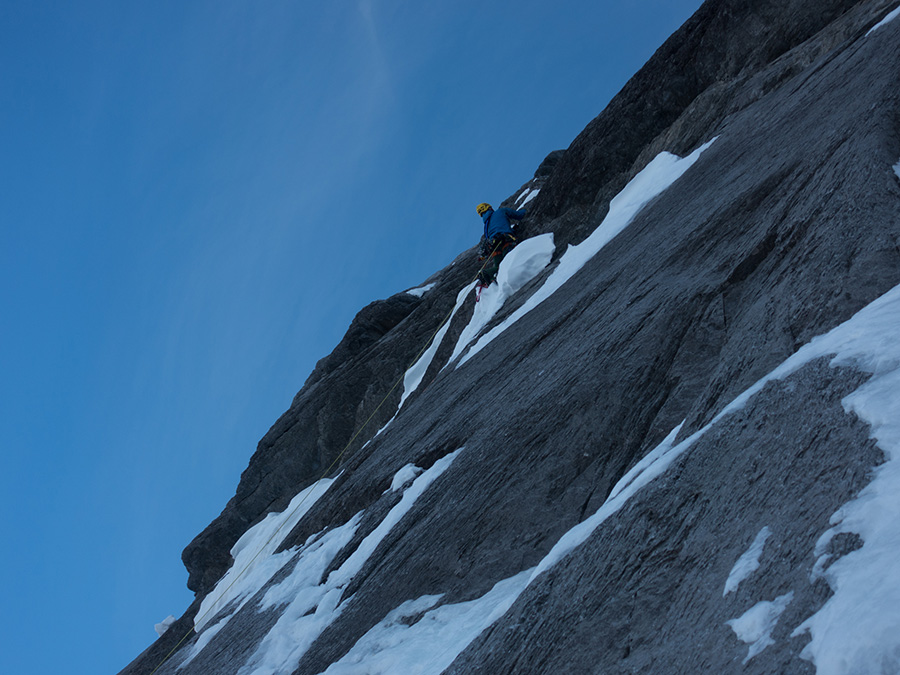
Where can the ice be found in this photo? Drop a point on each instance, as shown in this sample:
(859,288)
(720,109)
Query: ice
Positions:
(748,563)
(355,562)
(488,305)
(431,643)
(519,267)
(405,476)
(526,197)
(658,175)
(422,290)
(163,625)
(416,372)
(254,562)
(310,562)
(638,469)
(858,628)
(890,17)
(754,627)
(897,165)
(382,429)
(310,604)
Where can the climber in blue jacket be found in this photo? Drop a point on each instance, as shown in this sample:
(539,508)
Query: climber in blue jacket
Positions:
(497,222)
(498,239)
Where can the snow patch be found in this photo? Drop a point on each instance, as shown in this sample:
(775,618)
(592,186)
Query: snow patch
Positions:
(254,556)
(405,476)
(748,563)
(521,197)
(890,17)
(164,625)
(416,372)
(311,561)
(897,169)
(524,263)
(526,197)
(519,267)
(754,627)
(655,178)
(434,640)
(422,290)
(311,605)
(858,628)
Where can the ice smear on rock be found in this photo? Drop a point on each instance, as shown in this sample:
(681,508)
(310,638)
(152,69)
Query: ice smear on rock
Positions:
(405,476)
(658,175)
(748,563)
(526,197)
(416,372)
(254,556)
(890,17)
(163,625)
(519,267)
(422,290)
(311,605)
(754,627)
(431,643)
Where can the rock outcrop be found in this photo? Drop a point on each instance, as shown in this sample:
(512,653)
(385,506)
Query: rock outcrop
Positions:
(785,226)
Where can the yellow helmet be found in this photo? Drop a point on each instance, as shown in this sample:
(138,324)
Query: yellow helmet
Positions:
(483,208)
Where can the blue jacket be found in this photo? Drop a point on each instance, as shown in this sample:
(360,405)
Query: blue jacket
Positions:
(497,222)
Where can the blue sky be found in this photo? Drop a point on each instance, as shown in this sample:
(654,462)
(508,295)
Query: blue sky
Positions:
(196,199)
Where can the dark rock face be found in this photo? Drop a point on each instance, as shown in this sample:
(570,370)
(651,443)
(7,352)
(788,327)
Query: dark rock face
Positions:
(720,42)
(158,652)
(537,182)
(645,594)
(784,228)
(343,391)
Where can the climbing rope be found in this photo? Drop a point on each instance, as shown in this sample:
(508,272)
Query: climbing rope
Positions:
(324,474)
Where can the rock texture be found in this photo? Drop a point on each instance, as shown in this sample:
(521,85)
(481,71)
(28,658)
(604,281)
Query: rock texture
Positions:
(784,228)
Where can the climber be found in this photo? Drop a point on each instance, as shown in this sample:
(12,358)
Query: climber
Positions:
(498,240)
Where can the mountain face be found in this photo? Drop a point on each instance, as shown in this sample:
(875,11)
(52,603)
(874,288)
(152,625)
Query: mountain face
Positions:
(634,454)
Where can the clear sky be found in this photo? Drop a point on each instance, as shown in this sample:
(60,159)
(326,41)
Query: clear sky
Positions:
(195,200)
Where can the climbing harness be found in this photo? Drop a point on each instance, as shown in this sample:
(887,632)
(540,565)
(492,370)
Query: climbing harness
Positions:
(502,244)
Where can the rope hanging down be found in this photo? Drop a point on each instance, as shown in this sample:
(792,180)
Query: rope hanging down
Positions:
(324,475)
